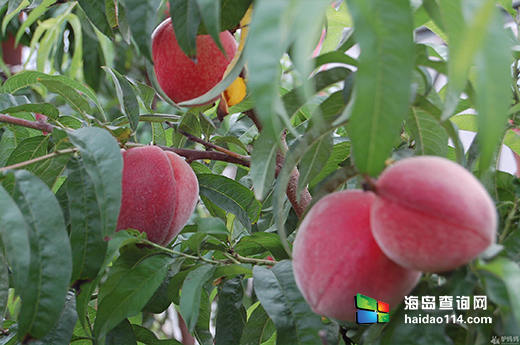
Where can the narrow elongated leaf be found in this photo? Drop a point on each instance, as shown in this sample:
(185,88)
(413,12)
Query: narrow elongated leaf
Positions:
(16,243)
(142,17)
(145,336)
(502,278)
(201,331)
(27,78)
(104,163)
(4,287)
(190,298)
(46,109)
(492,87)
(86,236)
(185,20)
(123,333)
(129,291)
(62,331)
(29,149)
(430,137)
(96,13)
(314,160)
(231,315)
(384,30)
(209,10)
(465,39)
(75,100)
(259,328)
(51,260)
(263,163)
(126,96)
(230,196)
(277,291)
(260,242)
(264,58)
(231,12)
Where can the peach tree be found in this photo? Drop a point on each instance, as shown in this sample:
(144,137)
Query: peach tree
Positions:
(319,97)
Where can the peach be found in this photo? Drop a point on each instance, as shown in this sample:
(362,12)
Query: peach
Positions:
(10,54)
(335,257)
(180,77)
(159,193)
(186,196)
(432,215)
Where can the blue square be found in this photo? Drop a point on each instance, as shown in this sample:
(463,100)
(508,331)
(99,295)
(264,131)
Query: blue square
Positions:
(366,316)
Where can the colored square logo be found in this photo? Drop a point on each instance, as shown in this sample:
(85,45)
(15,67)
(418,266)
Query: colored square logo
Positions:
(383,307)
(365,302)
(366,316)
(371,310)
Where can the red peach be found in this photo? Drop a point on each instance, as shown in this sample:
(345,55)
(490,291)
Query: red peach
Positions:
(10,54)
(181,78)
(148,201)
(186,195)
(335,257)
(432,215)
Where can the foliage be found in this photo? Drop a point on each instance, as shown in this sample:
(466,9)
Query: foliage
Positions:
(67,277)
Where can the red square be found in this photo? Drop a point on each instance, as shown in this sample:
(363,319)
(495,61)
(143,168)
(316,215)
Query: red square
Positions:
(383,307)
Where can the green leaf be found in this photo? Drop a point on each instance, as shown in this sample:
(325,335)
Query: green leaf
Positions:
(126,97)
(465,39)
(185,20)
(231,315)
(28,149)
(62,331)
(51,260)
(16,243)
(430,137)
(127,290)
(201,331)
(145,336)
(264,58)
(492,89)
(104,163)
(75,100)
(209,11)
(502,278)
(231,12)
(230,196)
(190,298)
(123,333)
(229,270)
(260,242)
(27,78)
(384,31)
(96,13)
(4,287)
(314,160)
(160,301)
(142,17)
(86,236)
(259,328)
(47,109)
(337,21)
(339,153)
(263,164)
(92,55)
(277,291)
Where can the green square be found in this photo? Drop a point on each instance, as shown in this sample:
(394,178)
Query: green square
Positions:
(383,317)
(365,302)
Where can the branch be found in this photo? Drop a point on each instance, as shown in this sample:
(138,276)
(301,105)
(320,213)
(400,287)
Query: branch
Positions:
(292,187)
(213,146)
(192,155)
(38,159)
(42,126)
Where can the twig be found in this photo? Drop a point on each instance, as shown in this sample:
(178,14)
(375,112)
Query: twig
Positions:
(245,260)
(42,126)
(192,155)
(292,187)
(207,144)
(39,159)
